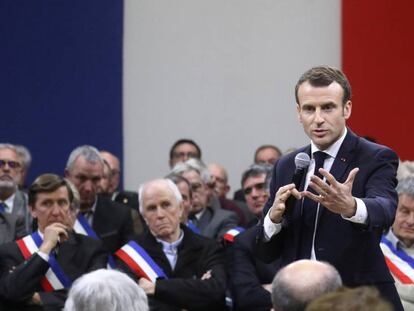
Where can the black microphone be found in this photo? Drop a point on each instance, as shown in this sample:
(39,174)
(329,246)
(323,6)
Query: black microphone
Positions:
(302,161)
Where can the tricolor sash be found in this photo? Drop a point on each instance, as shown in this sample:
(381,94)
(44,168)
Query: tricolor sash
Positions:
(55,278)
(82,226)
(192,226)
(399,262)
(232,233)
(140,262)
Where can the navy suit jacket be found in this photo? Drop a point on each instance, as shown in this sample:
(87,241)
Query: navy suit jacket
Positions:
(352,248)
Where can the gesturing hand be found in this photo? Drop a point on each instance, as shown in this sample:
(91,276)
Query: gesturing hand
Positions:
(335,196)
(279,204)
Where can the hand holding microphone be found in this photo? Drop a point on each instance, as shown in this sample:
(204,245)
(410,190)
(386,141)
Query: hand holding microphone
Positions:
(287,195)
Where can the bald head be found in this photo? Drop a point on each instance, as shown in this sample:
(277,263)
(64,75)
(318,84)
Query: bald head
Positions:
(115,166)
(300,282)
(219,177)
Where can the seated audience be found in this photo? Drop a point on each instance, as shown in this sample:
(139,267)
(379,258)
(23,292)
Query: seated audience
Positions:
(184,187)
(219,182)
(265,154)
(26,160)
(106,290)
(99,216)
(36,271)
(356,299)
(177,268)
(212,221)
(300,282)
(398,244)
(183,150)
(251,278)
(12,200)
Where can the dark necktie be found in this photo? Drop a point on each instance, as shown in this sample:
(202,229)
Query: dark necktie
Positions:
(310,208)
(3,207)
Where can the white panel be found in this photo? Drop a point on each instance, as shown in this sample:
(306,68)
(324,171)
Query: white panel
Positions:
(219,72)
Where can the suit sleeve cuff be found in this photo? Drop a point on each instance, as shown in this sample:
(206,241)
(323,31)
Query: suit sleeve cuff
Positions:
(44,256)
(361,214)
(270,228)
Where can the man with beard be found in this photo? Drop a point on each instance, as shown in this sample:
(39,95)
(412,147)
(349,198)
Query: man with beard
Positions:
(12,200)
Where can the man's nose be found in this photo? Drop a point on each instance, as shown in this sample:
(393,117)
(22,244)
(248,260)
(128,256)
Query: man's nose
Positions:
(318,116)
(88,185)
(160,212)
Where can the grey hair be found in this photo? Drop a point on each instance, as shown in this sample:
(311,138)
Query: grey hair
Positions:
(193,165)
(25,156)
(106,290)
(256,170)
(11,147)
(406,186)
(90,153)
(167,182)
(75,204)
(288,295)
(405,169)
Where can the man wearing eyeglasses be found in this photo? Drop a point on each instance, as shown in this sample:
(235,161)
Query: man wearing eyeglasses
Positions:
(37,270)
(183,150)
(12,200)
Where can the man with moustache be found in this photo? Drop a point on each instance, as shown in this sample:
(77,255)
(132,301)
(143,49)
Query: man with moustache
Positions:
(36,271)
(351,197)
(12,200)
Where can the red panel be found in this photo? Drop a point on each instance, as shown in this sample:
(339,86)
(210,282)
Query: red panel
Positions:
(378,58)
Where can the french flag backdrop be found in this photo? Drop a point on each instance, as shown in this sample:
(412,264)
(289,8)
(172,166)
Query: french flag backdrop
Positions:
(61,74)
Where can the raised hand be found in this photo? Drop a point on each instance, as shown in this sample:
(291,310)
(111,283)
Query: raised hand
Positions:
(335,196)
(279,204)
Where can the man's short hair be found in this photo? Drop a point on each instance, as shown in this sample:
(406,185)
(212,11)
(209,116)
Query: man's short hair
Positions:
(359,298)
(106,290)
(184,141)
(293,290)
(167,182)
(321,76)
(257,170)
(13,148)
(193,165)
(177,179)
(48,183)
(406,186)
(90,153)
(262,147)
(25,156)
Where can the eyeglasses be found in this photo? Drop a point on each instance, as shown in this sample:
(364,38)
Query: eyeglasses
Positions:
(259,186)
(182,155)
(11,164)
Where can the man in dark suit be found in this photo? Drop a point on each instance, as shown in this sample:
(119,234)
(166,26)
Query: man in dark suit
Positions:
(11,227)
(193,275)
(111,221)
(351,198)
(36,271)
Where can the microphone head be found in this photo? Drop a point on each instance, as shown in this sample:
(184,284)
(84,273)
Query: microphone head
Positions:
(302,161)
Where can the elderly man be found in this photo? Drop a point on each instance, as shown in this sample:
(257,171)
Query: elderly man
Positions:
(250,278)
(300,282)
(212,221)
(398,244)
(351,197)
(12,200)
(36,271)
(99,215)
(177,268)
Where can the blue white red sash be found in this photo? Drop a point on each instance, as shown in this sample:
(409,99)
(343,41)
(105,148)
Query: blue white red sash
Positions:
(192,226)
(55,278)
(140,262)
(232,233)
(82,226)
(399,262)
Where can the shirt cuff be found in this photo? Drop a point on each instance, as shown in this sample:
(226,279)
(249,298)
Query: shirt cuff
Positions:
(270,228)
(44,256)
(361,214)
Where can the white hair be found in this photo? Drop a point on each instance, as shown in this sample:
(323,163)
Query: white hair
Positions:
(90,153)
(170,184)
(106,290)
(195,165)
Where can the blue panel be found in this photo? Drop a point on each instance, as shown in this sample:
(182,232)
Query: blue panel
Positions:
(61,77)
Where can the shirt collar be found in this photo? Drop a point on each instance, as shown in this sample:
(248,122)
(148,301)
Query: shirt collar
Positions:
(333,149)
(10,200)
(394,240)
(167,246)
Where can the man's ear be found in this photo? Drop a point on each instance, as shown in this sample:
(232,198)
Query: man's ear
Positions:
(33,211)
(298,112)
(66,173)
